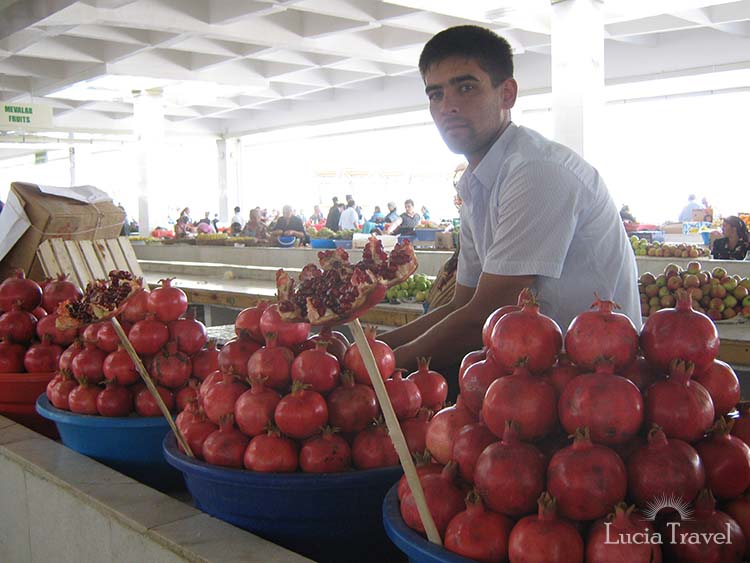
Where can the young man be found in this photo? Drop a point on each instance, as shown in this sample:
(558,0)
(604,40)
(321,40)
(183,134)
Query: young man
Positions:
(349,218)
(406,222)
(534,213)
(334,214)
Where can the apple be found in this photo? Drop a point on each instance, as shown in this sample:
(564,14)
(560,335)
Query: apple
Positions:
(746,312)
(653,309)
(729,283)
(696,293)
(705,300)
(718,291)
(691,280)
(704,277)
(647,278)
(671,267)
(694,267)
(674,282)
(745,283)
(716,304)
(740,292)
(652,290)
(714,314)
(746,301)
(729,313)
(667,301)
(654,301)
(719,272)
(730,301)
(661,280)
(663,291)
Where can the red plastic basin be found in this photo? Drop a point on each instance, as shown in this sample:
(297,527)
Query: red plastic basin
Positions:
(23,388)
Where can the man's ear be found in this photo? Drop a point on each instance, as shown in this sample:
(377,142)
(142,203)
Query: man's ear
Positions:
(509,93)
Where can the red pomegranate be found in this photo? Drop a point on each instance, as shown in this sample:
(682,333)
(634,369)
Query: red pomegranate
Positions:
(509,475)
(114,400)
(146,404)
(271,453)
(88,364)
(476,379)
(526,335)
(601,334)
(235,355)
(42,357)
(226,446)
(326,453)
(11,356)
(469,359)
(18,325)
(545,537)
(289,334)
(611,539)
(82,399)
(641,373)
(497,314)
(58,291)
(528,400)
(136,308)
(679,334)
(337,343)
(443,429)
(189,334)
(722,384)
(352,406)
(444,499)
(739,510)
(206,361)
(166,302)
(664,467)
(317,368)
(681,407)
(469,443)
(119,367)
(48,325)
(18,289)
(562,373)
(727,462)
(384,358)
(301,413)
(148,336)
(220,398)
(477,533)
(248,322)
(272,363)
(404,395)
(372,447)
(254,409)
(586,479)
(581,404)
(424,465)
(432,385)
(415,430)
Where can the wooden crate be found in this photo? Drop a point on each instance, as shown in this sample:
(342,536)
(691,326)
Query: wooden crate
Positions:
(87,260)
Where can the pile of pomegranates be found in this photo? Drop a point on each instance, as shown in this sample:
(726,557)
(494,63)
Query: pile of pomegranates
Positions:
(282,400)
(97,377)
(29,341)
(588,454)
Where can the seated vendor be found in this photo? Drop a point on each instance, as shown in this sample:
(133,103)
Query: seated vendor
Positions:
(289,225)
(406,222)
(734,245)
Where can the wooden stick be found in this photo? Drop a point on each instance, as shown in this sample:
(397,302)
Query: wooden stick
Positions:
(394,429)
(150,385)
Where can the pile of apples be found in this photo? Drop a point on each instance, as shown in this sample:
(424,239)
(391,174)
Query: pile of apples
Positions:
(642,247)
(715,293)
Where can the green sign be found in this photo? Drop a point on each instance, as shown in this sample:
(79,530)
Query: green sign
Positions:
(21,116)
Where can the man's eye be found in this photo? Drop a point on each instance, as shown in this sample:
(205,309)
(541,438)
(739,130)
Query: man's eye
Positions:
(435,96)
(466,87)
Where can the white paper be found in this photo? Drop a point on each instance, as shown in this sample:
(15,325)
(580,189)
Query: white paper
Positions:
(84,194)
(13,224)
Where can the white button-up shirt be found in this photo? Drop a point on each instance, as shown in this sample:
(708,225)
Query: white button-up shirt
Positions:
(534,207)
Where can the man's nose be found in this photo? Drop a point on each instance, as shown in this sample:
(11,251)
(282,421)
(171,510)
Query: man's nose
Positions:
(449,104)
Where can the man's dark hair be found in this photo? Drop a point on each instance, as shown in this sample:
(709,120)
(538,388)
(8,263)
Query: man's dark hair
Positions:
(335,200)
(237,209)
(409,201)
(350,203)
(492,53)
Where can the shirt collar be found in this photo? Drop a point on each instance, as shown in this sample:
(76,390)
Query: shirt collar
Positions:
(486,172)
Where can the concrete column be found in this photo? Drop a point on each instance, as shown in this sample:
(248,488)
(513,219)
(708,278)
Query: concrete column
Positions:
(230,178)
(148,114)
(72,162)
(578,74)
(221,148)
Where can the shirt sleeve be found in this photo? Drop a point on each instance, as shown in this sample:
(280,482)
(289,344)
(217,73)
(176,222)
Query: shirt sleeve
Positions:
(537,215)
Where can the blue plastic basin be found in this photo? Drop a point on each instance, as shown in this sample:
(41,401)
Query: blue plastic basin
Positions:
(412,544)
(287,241)
(427,234)
(130,445)
(322,243)
(343,244)
(333,517)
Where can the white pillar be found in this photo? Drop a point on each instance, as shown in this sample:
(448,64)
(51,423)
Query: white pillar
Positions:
(222,160)
(72,162)
(148,116)
(578,74)
(230,178)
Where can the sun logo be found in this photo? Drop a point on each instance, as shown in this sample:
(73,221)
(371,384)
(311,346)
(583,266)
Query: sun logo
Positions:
(656,505)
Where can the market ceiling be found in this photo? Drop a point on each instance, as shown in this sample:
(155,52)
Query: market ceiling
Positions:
(238,66)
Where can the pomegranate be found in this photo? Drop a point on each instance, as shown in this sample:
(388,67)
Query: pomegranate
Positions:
(39,313)
(726,543)
(60,390)
(528,400)
(741,427)
(18,289)
(325,453)
(220,398)
(432,386)
(586,479)
(562,373)
(475,381)
(469,443)
(206,361)
(497,314)
(136,308)
(226,446)
(42,357)
(289,334)
(189,334)
(114,400)
(58,291)
(581,404)
(545,537)
(679,334)
(236,353)
(187,394)
(612,539)
(443,429)
(196,432)
(509,474)
(148,336)
(119,367)
(88,364)
(664,468)
(272,363)
(477,533)
(337,343)
(640,373)
(170,367)
(317,368)
(683,408)
(424,466)
(301,413)
(271,453)
(352,406)
(384,358)
(404,395)
(601,334)
(722,384)
(372,447)
(18,325)
(47,326)
(739,510)
(209,382)
(526,335)
(248,322)
(470,359)
(106,337)
(167,303)
(727,461)
(444,499)
(11,356)
(65,364)
(146,405)
(82,399)
(415,430)
(254,409)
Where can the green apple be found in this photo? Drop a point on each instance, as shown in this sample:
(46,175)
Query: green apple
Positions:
(694,268)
